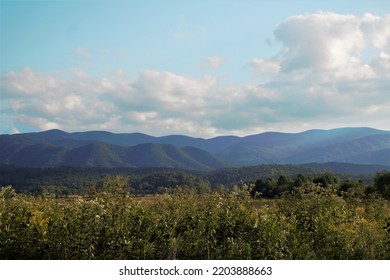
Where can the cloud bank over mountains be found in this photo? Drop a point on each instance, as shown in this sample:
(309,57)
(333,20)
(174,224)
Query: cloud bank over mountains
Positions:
(332,70)
(349,46)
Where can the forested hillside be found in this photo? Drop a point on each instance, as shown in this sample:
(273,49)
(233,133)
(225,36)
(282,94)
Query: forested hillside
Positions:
(57,148)
(73,180)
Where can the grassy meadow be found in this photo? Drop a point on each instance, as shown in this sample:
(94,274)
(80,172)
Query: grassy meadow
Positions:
(311,222)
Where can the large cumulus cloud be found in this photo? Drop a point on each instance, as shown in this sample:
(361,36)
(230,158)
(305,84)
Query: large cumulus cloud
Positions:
(332,68)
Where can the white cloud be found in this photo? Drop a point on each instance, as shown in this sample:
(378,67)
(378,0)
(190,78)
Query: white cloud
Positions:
(332,44)
(376,30)
(41,123)
(15,130)
(324,74)
(28,82)
(319,79)
(213,62)
(161,103)
(264,66)
(79,73)
(381,63)
(155,102)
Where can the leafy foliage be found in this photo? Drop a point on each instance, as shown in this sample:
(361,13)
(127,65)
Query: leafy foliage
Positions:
(382,183)
(308,222)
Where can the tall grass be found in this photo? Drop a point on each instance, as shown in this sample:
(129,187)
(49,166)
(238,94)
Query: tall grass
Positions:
(311,223)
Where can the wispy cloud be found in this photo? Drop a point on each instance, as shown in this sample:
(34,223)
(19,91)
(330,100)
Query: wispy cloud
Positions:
(213,62)
(264,66)
(81,51)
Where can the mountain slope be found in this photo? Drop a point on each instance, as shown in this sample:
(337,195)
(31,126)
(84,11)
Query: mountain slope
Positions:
(163,155)
(25,152)
(96,154)
(205,157)
(106,149)
(372,157)
(352,145)
(350,151)
(349,168)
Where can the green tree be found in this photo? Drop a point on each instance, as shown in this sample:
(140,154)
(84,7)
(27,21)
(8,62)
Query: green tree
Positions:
(382,183)
(326,180)
(264,188)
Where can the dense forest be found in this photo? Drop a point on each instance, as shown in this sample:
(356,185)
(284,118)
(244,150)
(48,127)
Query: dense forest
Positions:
(74,180)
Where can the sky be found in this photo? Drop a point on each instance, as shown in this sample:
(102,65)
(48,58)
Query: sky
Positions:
(199,68)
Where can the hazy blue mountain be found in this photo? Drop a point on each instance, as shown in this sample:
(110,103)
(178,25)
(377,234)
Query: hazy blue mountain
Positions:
(96,154)
(352,151)
(106,149)
(21,151)
(164,155)
(26,152)
(120,139)
(345,145)
(349,168)
(372,157)
(205,157)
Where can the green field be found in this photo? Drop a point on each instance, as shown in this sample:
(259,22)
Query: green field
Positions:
(309,222)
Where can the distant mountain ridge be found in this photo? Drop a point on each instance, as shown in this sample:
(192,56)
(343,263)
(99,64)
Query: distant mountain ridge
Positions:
(100,154)
(105,149)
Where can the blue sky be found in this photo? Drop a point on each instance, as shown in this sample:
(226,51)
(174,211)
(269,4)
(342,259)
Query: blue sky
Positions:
(201,68)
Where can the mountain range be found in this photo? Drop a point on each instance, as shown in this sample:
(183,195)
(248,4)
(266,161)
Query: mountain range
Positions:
(54,148)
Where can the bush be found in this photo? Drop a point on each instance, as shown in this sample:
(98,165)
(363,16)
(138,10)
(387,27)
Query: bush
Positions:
(310,222)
